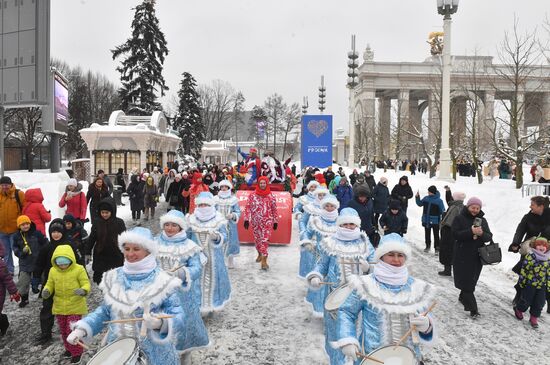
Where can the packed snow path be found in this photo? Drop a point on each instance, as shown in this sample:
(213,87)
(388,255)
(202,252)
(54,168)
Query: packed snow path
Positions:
(267,321)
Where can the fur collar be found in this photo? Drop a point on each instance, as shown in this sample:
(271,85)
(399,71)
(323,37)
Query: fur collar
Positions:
(312,209)
(321,226)
(212,225)
(126,301)
(355,249)
(183,251)
(415,296)
(232,200)
(305,200)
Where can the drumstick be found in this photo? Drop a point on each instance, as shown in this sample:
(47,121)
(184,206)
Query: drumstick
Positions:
(327,283)
(413,327)
(84,346)
(163,316)
(177,268)
(369,357)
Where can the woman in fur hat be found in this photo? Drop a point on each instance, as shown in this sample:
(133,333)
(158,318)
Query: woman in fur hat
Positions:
(306,199)
(208,228)
(139,289)
(345,253)
(75,200)
(390,302)
(319,227)
(228,205)
(183,258)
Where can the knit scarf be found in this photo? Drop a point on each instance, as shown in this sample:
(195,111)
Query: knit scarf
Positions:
(176,237)
(263,192)
(389,274)
(205,213)
(329,216)
(145,265)
(539,256)
(344,234)
(224,194)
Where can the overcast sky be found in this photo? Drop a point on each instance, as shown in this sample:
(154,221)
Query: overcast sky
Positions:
(262,47)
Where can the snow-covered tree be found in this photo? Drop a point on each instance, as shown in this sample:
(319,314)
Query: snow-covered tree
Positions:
(143,58)
(188,121)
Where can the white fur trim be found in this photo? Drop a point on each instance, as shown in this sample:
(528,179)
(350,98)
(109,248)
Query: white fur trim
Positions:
(311,183)
(343,219)
(132,237)
(206,310)
(195,348)
(307,245)
(168,218)
(83,326)
(312,209)
(344,341)
(390,246)
(314,313)
(167,327)
(226,183)
(212,225)
(318,225)
(201,200)
(311,275)
(334,247)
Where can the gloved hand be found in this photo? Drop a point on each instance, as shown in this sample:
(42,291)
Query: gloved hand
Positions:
(80,292)
(87,259)
(215,236)
(315,283)
(404,232)
(350,351)
(275,226)
(229,216)
(246,224)
(513,248)
(35,282)
(16,297)
(151,322)
(76,336)
(364,265)
(422,323)
(46,294)
(26,250)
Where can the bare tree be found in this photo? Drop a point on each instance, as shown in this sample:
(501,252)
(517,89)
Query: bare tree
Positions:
(520,70)
(275,109)
(217,103)
(23,125)
(291,122)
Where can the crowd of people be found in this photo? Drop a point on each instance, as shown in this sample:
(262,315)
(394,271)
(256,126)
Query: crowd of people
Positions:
(353,255)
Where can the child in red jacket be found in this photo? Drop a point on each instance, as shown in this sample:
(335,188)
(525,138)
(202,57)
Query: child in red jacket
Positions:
(35,210)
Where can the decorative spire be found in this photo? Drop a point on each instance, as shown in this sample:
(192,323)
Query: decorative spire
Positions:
(368,56)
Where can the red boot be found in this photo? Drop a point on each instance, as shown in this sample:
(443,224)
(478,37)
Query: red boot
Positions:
(534,321)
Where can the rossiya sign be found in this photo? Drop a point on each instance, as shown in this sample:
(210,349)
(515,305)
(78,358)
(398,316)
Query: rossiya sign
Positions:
(317,140)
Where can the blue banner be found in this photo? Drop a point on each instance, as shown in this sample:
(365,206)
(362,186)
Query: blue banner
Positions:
(317,140)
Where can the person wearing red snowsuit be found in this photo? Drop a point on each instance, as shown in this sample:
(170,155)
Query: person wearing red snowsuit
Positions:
(261,213)
(34,209)
(197,187)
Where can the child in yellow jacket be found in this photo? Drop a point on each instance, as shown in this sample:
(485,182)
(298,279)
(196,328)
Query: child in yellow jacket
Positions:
(69,284)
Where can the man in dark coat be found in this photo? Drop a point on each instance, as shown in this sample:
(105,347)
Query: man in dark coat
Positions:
(432,209)
(381,198)
(402,191)
(363,205)
(369,179)
(329,175)
(467,265)
(135,193)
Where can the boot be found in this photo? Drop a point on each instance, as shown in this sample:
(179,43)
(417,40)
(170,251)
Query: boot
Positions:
(259,258)
(518,314)
(43,338)
(24,300)
(264,264)
(446,271)
(427,249)
(534,321)
(4,324)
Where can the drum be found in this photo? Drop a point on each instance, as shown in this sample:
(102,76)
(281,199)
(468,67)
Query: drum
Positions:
(337,297)
(391,355)
(125,351)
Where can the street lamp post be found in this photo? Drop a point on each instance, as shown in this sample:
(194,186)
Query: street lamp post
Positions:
(351,84)
(322,95)
(446,8)
(305,105)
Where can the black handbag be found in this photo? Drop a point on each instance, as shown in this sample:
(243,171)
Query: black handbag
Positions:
(490,254)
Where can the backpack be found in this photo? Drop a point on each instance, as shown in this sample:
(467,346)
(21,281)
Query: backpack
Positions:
(18,200)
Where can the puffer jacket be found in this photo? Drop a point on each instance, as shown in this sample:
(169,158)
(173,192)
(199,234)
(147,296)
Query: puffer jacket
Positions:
(77,204)
(62,284)
(35,240)
(432,209)
(35,210)
(10,210)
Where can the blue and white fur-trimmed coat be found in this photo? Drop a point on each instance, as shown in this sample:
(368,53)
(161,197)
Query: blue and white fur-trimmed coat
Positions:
(318,228)
(334,267)
(174,252)
(302,201)
(124,297)
(215,284)
(307,257)
(227,206)
(385,314)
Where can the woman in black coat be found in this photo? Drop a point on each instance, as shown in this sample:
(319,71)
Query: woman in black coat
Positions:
(96,192)
(466,264)
(103,241)
(135,193)
(381,198)
(173,195)
(455,201)
(402,191)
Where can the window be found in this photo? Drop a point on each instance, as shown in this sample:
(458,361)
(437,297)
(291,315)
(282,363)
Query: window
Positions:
(101,161)
(132,160)
(117,161)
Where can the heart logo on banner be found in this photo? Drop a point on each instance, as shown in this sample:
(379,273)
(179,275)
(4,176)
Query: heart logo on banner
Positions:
(317,127)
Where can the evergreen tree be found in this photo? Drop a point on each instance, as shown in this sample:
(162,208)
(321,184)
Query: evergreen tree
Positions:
(188,121)
(141,67)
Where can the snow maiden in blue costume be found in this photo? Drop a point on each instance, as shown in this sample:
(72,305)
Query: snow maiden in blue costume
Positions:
(319,227)
(313,208)
(207,227)
(390,302)
(305,199)
(347,252)
(139,289)
(176,251)
(228,205)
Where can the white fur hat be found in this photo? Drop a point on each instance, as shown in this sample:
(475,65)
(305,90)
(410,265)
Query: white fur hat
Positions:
(139,236)
(320,190)
(205,198)
(72,182)
(330,199)
(311,183)
(348,215)
(226,183)
(392,242)
(174,216)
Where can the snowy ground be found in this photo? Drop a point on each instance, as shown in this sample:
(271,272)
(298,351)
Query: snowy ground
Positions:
(267,321)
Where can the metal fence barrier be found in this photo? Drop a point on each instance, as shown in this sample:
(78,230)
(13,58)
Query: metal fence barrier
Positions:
(533,189)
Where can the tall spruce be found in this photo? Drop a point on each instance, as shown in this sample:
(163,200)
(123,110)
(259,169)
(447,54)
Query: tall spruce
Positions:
(188,121)
(141,67)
